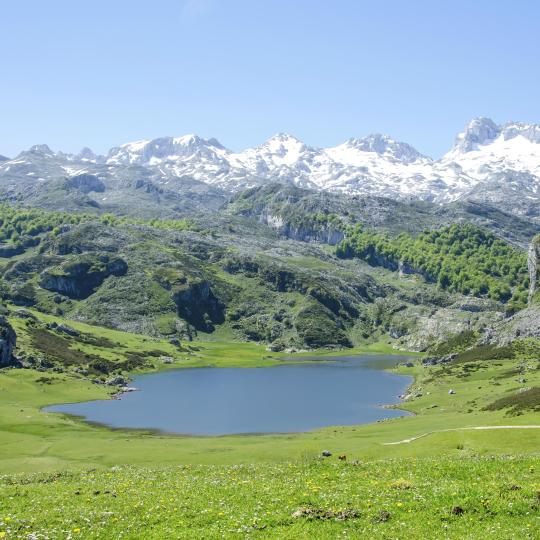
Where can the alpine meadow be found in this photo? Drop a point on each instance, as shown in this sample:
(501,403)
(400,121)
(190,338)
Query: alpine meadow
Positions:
(286,340)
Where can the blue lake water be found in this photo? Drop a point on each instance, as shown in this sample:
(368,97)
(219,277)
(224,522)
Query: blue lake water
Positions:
(278,399)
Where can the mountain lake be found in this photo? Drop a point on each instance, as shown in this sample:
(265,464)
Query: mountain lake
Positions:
(313,393)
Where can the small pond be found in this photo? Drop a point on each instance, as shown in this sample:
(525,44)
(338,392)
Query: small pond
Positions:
(329,391)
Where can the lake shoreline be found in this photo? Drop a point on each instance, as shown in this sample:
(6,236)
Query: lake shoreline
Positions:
(366,361)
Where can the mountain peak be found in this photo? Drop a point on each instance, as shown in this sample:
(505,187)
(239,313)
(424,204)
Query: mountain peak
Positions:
(164,148)
(189,138)
(41,149)
(385,146)
(86,154)
(283,146)
(283,136)
(478,132)
(531,132)
(192,140)
(283,139)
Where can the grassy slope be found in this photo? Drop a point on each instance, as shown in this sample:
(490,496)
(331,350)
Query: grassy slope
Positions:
(490,498)
(236,487)
(34,440)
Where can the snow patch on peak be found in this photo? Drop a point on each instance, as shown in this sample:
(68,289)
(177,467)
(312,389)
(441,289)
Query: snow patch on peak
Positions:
(284,138)
(145,152)
(385,146)
(485,150)
(187,140)
(282,143)
(372,165)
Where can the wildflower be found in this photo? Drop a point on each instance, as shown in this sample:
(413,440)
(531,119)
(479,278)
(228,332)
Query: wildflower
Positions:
(401,484)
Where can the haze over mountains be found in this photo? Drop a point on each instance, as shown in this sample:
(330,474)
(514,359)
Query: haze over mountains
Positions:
(495,164)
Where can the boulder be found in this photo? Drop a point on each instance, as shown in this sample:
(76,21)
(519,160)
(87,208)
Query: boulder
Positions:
(435,360)
(23,314)
(117,380)
(65,329)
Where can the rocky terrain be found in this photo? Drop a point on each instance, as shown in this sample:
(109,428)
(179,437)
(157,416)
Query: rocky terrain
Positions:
(162,238)
(490,164)
(8,340)
(525,323)
(238,276)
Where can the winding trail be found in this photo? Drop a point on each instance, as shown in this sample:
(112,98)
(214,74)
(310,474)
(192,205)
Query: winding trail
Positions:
(411,439)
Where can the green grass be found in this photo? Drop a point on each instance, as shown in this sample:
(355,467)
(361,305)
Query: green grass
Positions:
(529,399)
(489,498)
(36,441)
(452,481)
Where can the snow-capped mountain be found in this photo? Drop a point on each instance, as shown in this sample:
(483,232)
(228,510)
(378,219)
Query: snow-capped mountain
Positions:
(375,164)
(487,160)
(485,149)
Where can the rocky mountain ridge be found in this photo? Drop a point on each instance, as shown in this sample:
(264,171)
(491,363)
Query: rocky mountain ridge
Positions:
(496,164)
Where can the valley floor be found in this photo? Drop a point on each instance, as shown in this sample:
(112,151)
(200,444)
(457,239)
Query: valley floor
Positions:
(33,440)
(451,470)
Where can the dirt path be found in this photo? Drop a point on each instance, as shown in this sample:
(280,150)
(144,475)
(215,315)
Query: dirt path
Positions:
(411,439)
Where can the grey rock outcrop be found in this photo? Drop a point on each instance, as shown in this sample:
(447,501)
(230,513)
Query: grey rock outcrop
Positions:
(8,339)
(525,323)
(532,261)
(85,183)
(303,233)
(78,279)
(435,360)
(198,305)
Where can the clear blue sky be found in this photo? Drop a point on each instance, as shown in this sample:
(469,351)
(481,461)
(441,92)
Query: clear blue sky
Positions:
(100,73)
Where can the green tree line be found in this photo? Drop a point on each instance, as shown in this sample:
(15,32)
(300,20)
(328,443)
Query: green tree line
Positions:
(20,223)
(459,258)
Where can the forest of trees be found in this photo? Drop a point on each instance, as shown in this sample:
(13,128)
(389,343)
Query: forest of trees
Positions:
(459,258)
(18,224)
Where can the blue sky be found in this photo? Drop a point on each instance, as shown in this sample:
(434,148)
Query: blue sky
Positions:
(101,73)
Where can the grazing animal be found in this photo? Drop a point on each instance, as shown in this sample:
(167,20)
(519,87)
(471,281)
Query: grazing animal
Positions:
(343,457)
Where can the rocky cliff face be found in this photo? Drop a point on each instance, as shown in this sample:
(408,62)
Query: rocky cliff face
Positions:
(8,340)
(533,262)
(198,305)
(79,278)
(325,234)
(525,323)
(85,183)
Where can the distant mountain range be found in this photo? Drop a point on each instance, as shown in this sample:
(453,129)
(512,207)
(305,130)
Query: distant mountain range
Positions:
(489,163)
